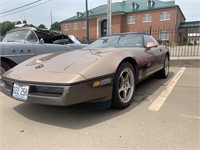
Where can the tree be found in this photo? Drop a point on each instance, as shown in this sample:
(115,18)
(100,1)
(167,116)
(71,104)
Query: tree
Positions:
(42,26)
(6,26)
(55,26)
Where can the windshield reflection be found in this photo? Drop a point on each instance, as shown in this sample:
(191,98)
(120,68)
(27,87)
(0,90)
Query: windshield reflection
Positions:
(128,40)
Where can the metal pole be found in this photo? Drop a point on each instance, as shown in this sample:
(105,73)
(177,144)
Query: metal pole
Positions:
(109,17)
(51,18)
(87,22)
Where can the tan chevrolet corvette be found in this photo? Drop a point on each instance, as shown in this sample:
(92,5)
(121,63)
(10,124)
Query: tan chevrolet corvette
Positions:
(106,70)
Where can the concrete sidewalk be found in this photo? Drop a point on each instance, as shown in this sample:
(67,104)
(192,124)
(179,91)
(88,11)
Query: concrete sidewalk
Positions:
(185,61)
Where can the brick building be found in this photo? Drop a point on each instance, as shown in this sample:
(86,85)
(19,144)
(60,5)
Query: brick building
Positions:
(129,16)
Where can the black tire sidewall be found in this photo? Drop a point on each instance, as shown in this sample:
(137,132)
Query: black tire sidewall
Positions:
(5,66)
(166,75)
(116,102)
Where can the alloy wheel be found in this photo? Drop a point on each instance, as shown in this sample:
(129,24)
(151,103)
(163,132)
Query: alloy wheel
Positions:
(126,85)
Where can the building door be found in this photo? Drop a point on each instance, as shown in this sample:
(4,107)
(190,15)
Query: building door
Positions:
(104,28)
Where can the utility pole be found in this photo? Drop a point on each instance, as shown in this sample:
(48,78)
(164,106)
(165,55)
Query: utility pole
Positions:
(87,22)
(51,18)
(109,17)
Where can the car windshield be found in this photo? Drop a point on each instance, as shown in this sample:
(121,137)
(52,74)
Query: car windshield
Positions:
(21,35)
(124,40)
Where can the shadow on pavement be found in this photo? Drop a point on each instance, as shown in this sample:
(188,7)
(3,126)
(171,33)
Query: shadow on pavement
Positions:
(75,117)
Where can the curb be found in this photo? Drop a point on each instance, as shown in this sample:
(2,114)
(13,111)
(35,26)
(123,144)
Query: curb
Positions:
(185,62)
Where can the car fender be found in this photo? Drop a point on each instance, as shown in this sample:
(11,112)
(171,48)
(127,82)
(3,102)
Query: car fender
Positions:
(108,64)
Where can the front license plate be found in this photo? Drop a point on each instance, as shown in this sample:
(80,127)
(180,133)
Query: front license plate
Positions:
(20,91)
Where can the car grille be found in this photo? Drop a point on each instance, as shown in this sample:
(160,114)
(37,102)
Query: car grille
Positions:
(8,85)
(46,91)
(39,90)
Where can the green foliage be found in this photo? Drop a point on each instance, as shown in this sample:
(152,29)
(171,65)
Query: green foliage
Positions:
(164,42)
(190,44)
(55,26)
(42,26)
(159,41)
(185,39)
(5,26)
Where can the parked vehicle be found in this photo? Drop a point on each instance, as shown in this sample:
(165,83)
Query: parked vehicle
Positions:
(108,69)
(22,43)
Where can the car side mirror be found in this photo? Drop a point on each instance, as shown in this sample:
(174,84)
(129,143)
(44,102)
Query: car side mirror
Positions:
(151,44)
(41,41)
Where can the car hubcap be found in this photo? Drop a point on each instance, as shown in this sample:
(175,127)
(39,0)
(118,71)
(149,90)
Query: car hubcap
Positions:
(126,85)
(166,66)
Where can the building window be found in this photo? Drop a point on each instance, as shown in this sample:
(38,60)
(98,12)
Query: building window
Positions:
(165,16)
(130,20)
(65,27)
(164,35)
(147,18)
(84,25)
(134,5)
(150,3)
(75,26)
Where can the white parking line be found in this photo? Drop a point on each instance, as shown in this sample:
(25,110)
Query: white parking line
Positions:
(157,104)
(191,117)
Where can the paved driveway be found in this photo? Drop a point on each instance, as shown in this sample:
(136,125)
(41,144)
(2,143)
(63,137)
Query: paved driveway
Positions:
(165,115)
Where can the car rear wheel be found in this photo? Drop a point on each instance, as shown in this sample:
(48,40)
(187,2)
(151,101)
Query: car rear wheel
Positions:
(165,71)
(124,86)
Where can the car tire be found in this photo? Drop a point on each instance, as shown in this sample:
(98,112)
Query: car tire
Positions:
(4,67)
(162,74)
(123,86)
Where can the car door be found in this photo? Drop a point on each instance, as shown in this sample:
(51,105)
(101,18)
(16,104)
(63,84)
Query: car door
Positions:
(17,51)
(153,56)
(42,48)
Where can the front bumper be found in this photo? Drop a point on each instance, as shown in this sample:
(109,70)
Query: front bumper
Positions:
(62,94)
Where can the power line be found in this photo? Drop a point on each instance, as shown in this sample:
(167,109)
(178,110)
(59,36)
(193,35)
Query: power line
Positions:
(25,9)
(20,7)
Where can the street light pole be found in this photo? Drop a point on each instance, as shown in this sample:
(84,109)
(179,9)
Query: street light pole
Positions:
(51,18)
(87,22)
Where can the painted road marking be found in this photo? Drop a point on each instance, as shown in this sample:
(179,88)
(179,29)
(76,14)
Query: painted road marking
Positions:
(157,104)
(192,117)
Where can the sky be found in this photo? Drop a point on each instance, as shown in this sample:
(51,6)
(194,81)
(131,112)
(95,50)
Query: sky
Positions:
(63,9)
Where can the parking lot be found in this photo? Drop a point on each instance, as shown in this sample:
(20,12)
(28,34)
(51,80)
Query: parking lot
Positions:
(165,115)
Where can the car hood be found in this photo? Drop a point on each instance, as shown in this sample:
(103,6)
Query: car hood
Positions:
(66,67)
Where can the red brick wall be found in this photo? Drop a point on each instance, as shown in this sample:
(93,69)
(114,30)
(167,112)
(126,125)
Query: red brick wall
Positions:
(155,23)
(116,24)
(119,24)
(78,33)
(92,29)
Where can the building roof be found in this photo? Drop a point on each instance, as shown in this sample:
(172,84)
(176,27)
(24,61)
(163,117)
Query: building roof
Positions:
(124,7)
(192,24)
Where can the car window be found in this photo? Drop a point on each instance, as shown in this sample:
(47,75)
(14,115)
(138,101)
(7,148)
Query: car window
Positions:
(16,36)
(31,37)
(124,40)
(148,38)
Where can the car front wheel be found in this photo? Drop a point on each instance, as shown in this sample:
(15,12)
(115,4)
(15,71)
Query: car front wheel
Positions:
(124,86)
(3,68)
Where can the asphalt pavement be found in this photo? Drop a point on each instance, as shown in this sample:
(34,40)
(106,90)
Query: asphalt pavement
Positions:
(165,115)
